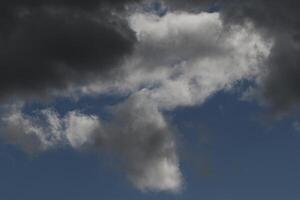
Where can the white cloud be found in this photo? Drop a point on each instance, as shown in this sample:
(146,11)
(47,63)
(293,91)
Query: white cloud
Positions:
(46,129)
(162,175)
(80,128)
(150,146)
(182,58)
(28,131)
(138,135)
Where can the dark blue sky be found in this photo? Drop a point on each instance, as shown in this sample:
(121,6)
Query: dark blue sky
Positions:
(227,153)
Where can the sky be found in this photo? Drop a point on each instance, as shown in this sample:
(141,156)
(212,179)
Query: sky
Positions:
(149,99)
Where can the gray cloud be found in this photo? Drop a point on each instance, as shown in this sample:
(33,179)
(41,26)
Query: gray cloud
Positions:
(161,63)
(138,135)
(278,21)
(180,59)
(278,84)
(189,5)
(48,45)
(143,139)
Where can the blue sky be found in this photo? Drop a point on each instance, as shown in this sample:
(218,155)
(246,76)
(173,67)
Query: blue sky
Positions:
(227,153)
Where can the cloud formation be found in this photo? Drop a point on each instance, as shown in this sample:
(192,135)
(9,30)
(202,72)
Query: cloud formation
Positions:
(53,45)
(182,59)
(143,138)
(173,56)
(139,135)
(278,21)
(47,129)
(179,59)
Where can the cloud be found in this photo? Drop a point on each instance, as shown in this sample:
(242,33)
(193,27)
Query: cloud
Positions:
(143,138)
(179,59)
(278,83)
(193,6)
(138,135)
(278,22)
(80,128)
(46,129)
(53,45)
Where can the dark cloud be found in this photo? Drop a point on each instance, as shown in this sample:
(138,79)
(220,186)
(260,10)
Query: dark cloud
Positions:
(53,44)
(189,5)
(279,21)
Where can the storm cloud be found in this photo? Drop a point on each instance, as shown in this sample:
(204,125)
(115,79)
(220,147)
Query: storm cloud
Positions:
(53,45)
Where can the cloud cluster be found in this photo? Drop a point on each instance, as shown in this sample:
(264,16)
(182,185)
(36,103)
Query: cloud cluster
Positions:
(170,57)
(178,59)
(182,59)
(139,135)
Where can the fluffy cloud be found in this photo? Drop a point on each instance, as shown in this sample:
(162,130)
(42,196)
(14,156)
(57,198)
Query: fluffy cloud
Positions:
(142,137)
(278,21)
(181,59)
